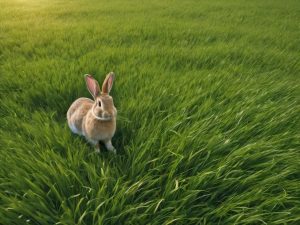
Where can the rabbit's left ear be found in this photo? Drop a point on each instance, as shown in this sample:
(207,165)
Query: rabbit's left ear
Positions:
(108,83)
(92,85)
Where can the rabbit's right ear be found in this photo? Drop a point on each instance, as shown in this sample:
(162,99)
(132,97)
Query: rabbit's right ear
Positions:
(108,83)
(92,85)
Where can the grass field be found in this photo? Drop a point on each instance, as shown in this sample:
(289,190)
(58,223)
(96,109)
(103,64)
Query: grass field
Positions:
(208,98)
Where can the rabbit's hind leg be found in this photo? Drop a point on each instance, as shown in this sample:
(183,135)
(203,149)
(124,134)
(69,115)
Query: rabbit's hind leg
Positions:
(95,143)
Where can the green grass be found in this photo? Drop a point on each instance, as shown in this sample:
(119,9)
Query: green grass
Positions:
(207,94)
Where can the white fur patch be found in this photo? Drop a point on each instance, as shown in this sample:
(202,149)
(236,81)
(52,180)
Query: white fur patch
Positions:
(74,129)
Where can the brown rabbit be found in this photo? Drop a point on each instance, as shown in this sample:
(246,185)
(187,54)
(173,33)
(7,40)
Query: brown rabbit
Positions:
(95,120)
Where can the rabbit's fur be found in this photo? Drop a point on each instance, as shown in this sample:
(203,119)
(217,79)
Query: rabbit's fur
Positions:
(95,120)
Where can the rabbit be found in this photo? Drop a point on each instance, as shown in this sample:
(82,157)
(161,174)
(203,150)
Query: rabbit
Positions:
(95,120)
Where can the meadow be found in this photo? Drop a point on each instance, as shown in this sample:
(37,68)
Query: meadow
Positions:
(208,98)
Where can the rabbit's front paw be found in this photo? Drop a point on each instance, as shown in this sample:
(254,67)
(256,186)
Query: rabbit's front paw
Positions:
(97,147)
(110,147)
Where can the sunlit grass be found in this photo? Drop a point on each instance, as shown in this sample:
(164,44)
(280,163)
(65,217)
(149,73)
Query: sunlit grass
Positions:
(208,112)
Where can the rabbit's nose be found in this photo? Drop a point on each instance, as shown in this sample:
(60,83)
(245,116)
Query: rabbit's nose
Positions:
(106,114)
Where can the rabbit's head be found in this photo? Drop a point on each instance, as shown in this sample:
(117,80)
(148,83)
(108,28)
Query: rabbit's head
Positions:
(103,107)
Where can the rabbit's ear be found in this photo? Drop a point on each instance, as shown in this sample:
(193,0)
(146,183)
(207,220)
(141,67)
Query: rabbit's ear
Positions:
(108,83)
(92,85)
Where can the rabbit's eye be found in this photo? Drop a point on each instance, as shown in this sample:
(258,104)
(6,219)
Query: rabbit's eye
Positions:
(99,103)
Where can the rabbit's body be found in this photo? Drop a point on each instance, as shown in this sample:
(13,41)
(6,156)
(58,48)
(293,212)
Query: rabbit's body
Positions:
(81,121)
(77,113)
(95,120)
